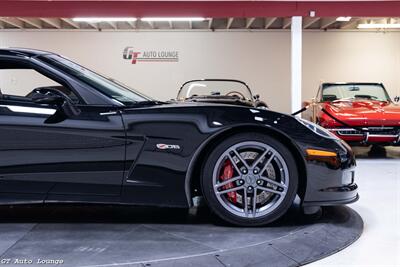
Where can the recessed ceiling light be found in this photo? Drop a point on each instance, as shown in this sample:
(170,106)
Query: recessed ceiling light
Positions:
(93,19)
(343,18)
(379,26)
(173,19)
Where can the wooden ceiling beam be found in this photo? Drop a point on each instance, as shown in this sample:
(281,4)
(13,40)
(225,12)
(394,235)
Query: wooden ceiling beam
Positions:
(269,22)
(13,22)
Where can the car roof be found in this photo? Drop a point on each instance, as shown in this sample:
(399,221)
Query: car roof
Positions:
(22,52)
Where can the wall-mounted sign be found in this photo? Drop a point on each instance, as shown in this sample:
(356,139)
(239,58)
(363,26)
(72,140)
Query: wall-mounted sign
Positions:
(135,57)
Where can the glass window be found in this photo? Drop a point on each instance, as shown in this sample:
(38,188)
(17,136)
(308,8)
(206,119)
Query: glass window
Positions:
(107,86)
(354,92)
(200,88)
(21,82)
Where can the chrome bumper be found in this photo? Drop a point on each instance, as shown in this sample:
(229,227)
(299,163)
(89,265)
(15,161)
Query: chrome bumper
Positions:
(369,132)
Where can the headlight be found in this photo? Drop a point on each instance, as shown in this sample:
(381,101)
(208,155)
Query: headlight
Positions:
(317,129)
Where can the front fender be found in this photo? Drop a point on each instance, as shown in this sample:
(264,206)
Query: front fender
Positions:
(192,179)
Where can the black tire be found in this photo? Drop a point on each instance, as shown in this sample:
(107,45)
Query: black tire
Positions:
(210,195)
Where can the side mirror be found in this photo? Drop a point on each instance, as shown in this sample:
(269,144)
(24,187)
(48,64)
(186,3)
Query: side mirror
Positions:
(65,108)
(397,99)
(47,99)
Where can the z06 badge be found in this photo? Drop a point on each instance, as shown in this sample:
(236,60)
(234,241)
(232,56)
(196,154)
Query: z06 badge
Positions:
(165,146)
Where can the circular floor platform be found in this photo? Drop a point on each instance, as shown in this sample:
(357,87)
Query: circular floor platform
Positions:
(126,236)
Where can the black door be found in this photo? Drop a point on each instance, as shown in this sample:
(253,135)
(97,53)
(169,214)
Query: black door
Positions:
(78,158)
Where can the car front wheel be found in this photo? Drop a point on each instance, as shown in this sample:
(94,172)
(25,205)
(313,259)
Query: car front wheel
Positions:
(250,179)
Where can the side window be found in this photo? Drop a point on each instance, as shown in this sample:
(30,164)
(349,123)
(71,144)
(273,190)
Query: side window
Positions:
(19,83)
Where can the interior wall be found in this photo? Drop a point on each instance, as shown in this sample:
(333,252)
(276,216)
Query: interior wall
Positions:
(259,59)
(262,59)
(351,57)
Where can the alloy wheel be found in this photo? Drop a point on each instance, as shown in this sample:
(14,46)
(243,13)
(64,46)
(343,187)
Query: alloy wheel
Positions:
(250,179)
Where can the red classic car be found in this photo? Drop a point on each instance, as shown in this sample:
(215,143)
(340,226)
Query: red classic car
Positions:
(359,113)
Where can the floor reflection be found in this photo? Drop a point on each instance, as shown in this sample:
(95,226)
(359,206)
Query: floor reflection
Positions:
(377,152)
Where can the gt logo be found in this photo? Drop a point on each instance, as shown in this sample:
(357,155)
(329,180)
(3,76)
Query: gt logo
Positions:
(165,146)
(130,54)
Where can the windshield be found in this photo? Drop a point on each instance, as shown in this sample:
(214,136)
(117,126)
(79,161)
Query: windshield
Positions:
(107,86)
(354,92)
(201,88)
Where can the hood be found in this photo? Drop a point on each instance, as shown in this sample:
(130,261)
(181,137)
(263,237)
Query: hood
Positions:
(177,106)
(185,104)
(365,112)
(232,113)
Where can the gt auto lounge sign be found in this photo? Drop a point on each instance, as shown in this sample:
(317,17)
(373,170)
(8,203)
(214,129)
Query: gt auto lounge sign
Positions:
(135,56)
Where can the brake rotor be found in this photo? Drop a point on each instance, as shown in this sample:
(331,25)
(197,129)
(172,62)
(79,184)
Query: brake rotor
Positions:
(237,197)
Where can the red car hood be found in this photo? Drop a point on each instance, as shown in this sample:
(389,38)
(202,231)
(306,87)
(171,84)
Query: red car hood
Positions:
(365,113)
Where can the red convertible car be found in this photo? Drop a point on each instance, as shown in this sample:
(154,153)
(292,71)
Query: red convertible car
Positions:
(359,113)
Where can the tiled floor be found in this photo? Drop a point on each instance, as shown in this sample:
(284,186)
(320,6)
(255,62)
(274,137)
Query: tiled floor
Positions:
(379,206)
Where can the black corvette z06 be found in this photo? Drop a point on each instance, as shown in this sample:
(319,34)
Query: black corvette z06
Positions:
(76,136)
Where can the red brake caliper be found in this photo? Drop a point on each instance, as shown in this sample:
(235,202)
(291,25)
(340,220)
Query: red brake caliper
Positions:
(227,174)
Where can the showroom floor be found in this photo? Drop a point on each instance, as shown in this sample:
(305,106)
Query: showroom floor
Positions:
(378,177)
(104,236)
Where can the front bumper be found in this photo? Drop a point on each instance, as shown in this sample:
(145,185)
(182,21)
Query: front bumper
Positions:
(342,195)
(373,135)
(332,202)
(329,185)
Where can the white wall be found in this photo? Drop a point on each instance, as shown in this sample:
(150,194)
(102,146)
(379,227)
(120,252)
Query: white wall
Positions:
(262,59)
(21,82)
(351,56)
(259,59)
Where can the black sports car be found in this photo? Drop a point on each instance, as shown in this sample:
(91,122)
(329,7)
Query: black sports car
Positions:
(75,136)
(224,91)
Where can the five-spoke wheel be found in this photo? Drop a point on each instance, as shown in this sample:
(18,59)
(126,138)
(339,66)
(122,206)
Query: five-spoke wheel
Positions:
(252,179)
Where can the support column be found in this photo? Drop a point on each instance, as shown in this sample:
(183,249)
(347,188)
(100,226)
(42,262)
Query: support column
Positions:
(296,64)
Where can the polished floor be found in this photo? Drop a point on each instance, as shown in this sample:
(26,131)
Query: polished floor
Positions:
(378,177)
(110,236)
(101,236)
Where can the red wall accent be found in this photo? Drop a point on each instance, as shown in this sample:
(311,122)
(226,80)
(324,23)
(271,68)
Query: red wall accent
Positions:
(211,8)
